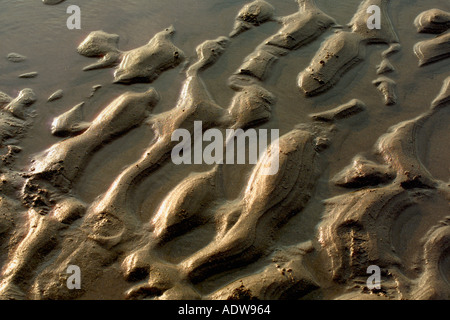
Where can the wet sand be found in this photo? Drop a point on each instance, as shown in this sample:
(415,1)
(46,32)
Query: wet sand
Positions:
(86,175)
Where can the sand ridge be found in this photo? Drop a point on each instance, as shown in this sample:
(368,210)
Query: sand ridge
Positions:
(358,228)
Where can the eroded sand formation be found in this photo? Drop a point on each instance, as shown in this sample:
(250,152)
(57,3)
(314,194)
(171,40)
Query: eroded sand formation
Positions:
(363,226)
(52,1)
(341,51)
(15,120)
(358,228)
(16,57)
(436,22)
(70,122)
(252,14)
(56,95)
(298,29)
(387,87)
(141,64)
(432,21)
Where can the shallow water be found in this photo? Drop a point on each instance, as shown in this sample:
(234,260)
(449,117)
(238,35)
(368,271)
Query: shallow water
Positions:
(39,32)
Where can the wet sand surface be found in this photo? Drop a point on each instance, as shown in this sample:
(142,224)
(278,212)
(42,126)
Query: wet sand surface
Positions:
(358,188)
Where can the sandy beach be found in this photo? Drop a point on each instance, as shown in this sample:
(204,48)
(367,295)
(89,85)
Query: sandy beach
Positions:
(120,177)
